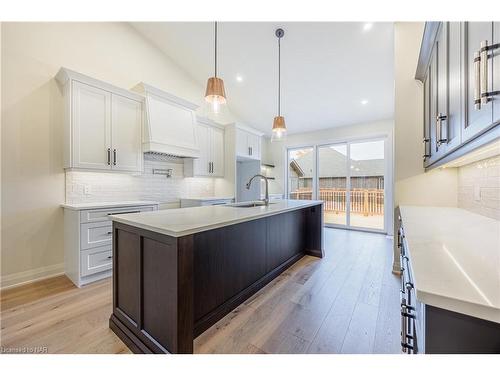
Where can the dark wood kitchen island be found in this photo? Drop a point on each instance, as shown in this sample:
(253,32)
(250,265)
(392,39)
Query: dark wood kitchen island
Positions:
(177,272)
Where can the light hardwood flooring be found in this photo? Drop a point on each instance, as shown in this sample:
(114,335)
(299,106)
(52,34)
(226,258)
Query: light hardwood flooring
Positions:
(347,302)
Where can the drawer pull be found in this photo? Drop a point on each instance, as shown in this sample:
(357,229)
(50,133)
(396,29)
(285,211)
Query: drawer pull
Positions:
(123,213)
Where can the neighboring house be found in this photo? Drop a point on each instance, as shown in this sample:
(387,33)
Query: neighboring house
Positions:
(365,174)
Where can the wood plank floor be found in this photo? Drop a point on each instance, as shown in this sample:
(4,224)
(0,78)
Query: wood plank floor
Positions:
(347,302)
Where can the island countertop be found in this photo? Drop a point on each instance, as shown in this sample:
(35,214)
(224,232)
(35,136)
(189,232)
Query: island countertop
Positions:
(455,256)
(180,222)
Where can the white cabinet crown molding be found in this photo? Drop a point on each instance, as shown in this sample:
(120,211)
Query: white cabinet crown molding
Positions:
(64,75)
(144,88)
(246,128)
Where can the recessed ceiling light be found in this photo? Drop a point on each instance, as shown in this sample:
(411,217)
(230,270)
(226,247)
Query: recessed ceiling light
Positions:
(364,102)
(367,26)
(239,78)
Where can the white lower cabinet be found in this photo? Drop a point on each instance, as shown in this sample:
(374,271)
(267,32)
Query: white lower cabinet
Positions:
(93,261)
(88,240)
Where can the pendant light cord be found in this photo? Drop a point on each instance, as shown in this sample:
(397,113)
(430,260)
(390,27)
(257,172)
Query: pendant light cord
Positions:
(215,48)
(279,76)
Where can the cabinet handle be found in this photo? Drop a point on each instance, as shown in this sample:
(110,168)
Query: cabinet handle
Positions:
(109,233)
(109,156)
(483,70)
(484,94)
(114,156)
(211,167)
(426,142)
(110,257)
(439,129)
(477,79)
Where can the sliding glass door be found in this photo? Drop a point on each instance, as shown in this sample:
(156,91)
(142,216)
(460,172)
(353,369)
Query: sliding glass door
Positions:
(300,182)
(349,177)
(367,176)
(332,183)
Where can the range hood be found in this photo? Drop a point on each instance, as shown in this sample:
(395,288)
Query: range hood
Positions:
(170,123)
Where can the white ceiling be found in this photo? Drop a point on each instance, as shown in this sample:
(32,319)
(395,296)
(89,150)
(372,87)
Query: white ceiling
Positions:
(328,69)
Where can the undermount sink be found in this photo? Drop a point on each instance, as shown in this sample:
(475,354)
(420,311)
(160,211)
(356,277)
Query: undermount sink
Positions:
(248,204)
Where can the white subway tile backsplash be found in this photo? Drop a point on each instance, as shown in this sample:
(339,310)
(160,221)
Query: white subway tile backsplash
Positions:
(479,187)
(103,186)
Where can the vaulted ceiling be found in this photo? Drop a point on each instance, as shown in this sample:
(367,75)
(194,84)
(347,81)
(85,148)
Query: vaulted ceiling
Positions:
(333,74)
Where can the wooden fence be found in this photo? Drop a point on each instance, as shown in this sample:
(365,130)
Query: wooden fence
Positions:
(364,201)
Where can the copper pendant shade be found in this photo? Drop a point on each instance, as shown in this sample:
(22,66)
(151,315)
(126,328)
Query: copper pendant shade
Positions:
(215,92)
(279,124)
(279,127)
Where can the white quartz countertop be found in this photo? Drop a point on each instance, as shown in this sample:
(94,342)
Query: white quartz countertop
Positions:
(207,198)
(94,205)
(455,257)
(184,221)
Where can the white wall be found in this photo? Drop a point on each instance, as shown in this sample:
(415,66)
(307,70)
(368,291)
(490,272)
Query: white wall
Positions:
(412,185)
(275,153)
(33,183)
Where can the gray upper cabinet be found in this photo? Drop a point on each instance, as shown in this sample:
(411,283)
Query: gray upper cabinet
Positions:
(479,113)
(454,119)
(496,72)
(459,65)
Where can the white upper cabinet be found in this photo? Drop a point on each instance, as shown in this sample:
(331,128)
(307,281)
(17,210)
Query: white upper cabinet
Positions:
(201,165)
(103,124)
(217,151)
(210,163)
(91,120)
(126,134)
(247,143)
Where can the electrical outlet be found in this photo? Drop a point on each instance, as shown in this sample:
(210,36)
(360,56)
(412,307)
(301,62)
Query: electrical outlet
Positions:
(87,189)
(477,193)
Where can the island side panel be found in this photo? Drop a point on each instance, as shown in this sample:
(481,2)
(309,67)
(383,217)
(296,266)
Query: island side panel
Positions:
(152,290)
(314,231)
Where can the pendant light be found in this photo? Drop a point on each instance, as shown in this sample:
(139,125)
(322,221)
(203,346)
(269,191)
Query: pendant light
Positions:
(279,127)
(215,93)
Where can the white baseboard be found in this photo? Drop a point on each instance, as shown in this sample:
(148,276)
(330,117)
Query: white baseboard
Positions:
(26,277)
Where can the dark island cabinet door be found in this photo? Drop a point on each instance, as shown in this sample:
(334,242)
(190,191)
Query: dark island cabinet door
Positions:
(284,240)
(208,271)
(244,256)
(226,261)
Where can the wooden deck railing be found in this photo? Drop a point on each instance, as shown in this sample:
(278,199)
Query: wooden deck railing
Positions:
(364,201)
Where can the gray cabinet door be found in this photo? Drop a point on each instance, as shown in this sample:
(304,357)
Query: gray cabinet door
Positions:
(426,152)
(476,119)
(496,72)
(453,124)
(441,91)
(433,110)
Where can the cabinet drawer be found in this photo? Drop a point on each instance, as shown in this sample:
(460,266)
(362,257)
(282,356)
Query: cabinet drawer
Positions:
(96,260)
(93,216)
(95,234)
